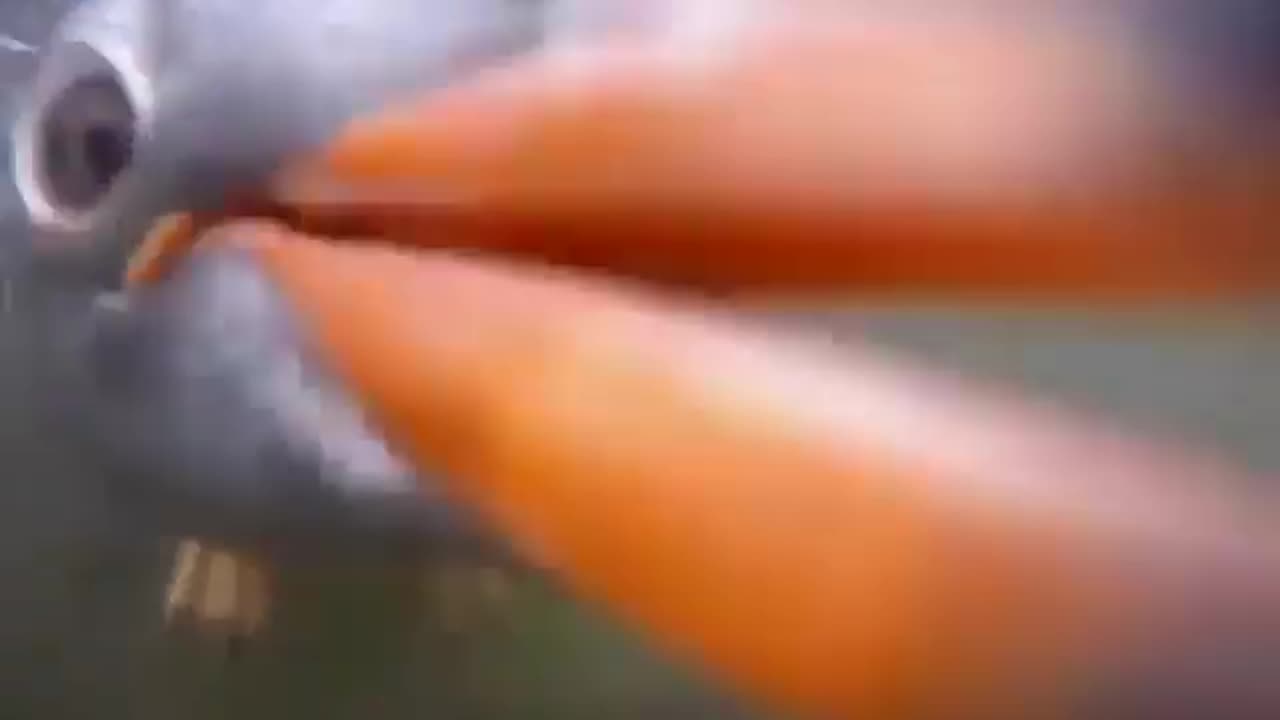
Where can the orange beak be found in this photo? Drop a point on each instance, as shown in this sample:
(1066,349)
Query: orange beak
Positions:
(831,533)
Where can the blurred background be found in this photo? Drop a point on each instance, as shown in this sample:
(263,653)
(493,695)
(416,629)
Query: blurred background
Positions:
(81,633)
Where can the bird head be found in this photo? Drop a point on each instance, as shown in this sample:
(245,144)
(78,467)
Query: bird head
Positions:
(142,107)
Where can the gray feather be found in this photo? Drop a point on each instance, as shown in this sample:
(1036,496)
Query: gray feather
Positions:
(213,416)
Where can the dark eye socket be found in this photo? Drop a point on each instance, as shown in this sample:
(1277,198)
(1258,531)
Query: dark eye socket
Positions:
(85,138)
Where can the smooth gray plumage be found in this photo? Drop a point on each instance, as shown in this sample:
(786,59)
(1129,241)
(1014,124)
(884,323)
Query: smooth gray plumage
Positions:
(215,420)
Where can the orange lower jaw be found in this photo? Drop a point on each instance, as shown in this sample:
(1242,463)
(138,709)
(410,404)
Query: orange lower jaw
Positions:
(838,535)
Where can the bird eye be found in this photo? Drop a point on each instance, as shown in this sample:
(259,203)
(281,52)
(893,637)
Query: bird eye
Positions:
(77,138)
(85,140)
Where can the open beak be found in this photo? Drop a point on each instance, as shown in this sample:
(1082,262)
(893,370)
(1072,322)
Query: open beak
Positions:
(835,533)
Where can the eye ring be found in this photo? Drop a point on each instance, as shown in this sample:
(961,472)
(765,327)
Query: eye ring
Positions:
(78,135)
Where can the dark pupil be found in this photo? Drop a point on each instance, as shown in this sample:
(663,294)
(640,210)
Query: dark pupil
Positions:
(86,141)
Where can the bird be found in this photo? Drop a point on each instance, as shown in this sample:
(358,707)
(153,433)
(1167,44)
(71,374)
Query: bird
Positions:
(586,392)
(138,107)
